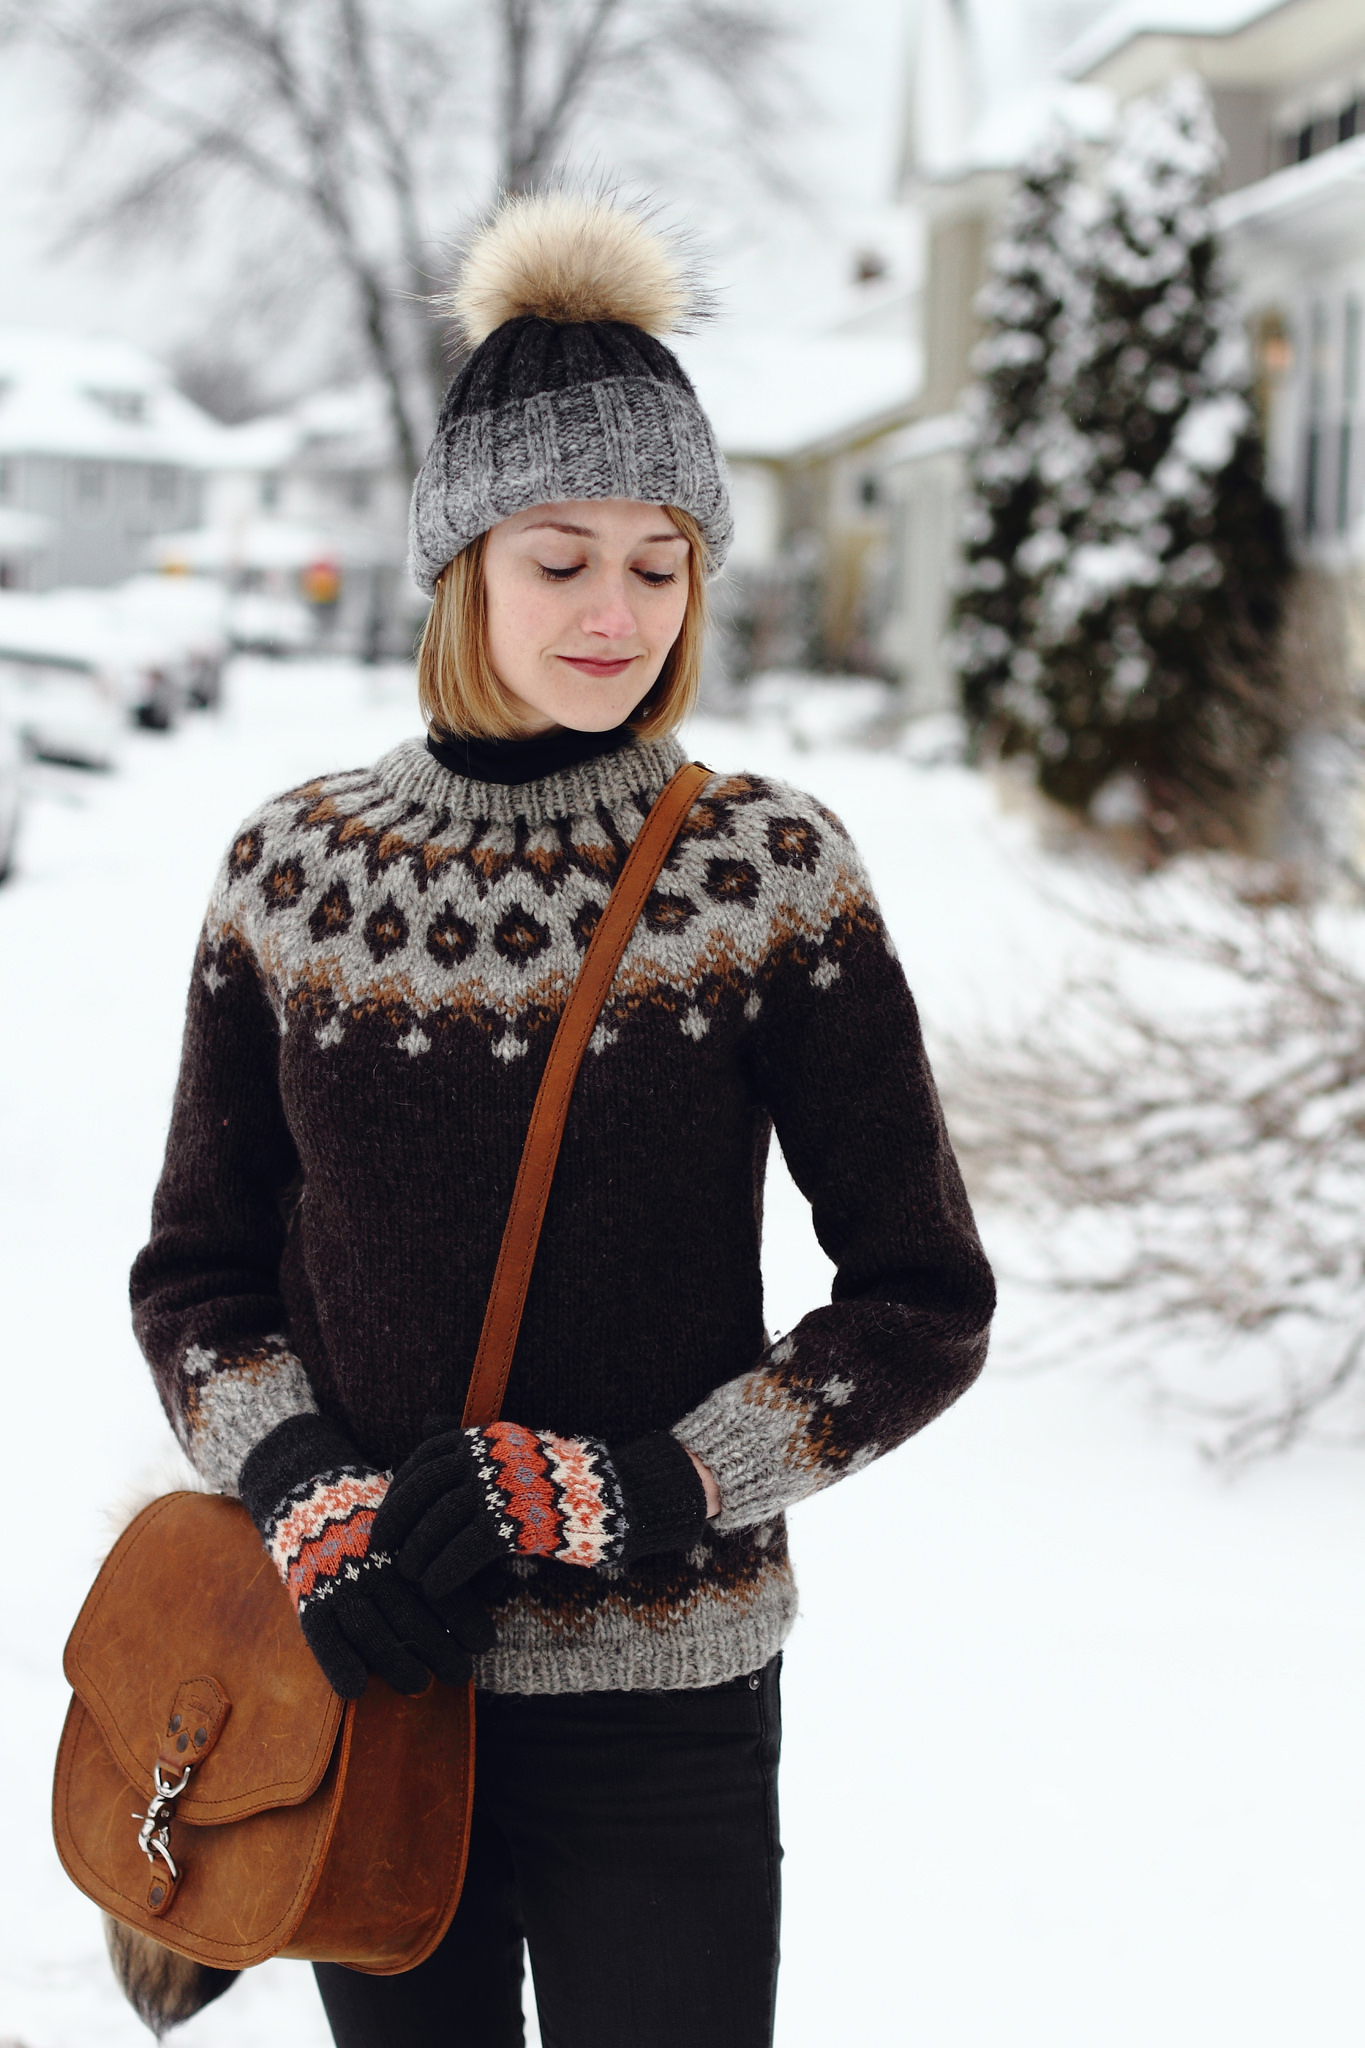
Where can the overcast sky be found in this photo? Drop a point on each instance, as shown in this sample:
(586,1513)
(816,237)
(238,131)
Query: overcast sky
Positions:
(853,55)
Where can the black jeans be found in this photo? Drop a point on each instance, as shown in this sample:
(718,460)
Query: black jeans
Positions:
(630,1838)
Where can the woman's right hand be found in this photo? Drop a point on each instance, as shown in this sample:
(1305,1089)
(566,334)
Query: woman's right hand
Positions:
(314,1500)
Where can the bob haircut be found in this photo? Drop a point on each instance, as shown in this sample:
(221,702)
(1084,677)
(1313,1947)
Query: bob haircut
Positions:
(460,695)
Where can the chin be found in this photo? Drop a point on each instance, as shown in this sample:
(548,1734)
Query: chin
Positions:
(594,714)
(589,721)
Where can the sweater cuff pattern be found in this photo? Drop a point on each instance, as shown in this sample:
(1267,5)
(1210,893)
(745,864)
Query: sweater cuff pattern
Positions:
(231,1400)
(766,1438)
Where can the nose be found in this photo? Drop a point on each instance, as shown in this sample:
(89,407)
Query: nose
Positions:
(608,614)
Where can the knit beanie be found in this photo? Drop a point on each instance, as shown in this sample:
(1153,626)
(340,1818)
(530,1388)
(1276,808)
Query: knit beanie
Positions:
(569,392)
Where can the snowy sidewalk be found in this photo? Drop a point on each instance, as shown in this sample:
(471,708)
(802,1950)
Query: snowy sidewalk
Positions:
(1072,1748)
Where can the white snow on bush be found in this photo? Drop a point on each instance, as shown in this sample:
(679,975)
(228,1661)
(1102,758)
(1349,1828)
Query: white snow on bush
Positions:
(1209,432)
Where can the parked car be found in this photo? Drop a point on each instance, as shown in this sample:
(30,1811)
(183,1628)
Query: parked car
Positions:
(62,709)
(191,612)
(11,795)
(78,665)
(262,623)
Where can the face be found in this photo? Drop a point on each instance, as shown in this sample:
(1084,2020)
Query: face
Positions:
(584,601)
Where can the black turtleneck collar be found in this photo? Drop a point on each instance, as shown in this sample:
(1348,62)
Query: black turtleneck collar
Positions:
(525,760)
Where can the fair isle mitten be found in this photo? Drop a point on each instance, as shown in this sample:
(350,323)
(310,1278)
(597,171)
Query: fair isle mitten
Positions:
(314,1500)
(467,1497)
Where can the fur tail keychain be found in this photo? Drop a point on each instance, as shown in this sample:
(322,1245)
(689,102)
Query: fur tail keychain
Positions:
(163,1988)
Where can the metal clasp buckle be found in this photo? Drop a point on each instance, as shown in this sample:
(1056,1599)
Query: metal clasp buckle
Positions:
(154,1836)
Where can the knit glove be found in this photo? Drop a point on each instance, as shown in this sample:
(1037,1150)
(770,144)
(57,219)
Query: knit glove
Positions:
(467,1497)
(314,1498)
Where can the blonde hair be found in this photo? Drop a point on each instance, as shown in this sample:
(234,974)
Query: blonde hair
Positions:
(459,692)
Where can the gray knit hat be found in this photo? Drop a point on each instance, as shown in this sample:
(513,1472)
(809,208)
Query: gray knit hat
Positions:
(569,393)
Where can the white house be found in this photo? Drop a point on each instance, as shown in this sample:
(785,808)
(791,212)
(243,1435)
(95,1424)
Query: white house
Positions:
(98,453)
(1287,83)
(1287,80)
(800,416)
(310,501)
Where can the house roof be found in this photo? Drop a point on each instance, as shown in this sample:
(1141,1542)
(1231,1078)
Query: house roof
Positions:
(346,427)
(1136,44)
(772,395)
(100,400)
(1315,204)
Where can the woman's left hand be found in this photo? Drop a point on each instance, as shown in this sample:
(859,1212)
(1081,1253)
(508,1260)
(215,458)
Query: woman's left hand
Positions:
(467,1497)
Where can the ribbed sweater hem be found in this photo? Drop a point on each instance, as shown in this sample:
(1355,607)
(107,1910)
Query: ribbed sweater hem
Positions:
(619,1653)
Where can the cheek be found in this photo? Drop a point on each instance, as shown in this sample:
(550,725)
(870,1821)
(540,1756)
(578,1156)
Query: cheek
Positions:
(668,610)
(522,617)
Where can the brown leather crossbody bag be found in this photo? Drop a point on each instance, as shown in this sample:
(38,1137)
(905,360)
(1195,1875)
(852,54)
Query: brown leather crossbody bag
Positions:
(276,1820)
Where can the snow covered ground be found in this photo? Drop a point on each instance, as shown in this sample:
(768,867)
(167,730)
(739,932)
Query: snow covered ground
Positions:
(1072,1749)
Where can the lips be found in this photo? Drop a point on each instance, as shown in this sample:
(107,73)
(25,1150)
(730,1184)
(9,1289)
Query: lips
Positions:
(602,669)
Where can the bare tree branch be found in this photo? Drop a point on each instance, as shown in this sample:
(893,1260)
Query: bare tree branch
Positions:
(1188,1166)
(532,142)
(336,112)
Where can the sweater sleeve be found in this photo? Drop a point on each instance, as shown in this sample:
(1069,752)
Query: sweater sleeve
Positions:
(205,1289)
(839,1062)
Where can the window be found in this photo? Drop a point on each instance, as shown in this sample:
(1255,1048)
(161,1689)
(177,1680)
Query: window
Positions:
(1312,454)
(270,492)
(90,483)
(358,492)
(6,480)
(1350,396)
(161,486)
(1306,131)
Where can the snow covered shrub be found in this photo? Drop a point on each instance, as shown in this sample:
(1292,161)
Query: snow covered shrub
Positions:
(1179,1144)
(1143,561)
(1025,305)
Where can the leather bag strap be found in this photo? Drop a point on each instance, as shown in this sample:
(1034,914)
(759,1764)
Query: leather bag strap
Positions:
(521,1233)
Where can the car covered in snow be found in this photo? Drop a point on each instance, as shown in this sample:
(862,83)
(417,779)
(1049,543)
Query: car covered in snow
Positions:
(61,689)
(77,665)
(262,622)
(190,614)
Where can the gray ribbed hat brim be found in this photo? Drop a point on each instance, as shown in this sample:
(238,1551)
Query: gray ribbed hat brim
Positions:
(617,437)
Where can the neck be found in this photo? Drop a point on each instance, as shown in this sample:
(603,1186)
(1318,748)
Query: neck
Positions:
(524,760)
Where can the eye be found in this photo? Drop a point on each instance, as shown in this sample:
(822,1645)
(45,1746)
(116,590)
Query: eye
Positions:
(656,578)
(558,575)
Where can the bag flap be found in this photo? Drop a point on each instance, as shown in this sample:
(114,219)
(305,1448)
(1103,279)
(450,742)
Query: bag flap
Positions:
(189,1610)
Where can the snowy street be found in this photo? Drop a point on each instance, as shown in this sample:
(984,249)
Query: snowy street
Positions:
(1072,1752)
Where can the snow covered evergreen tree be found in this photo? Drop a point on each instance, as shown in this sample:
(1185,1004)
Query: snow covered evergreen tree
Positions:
(1150,580)
(1030,285)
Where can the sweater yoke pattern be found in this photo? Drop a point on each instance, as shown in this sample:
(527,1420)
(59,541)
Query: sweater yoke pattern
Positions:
(356,898)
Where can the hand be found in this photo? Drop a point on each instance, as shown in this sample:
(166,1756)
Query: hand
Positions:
(315,1500)
(712,1490)
(467,1497)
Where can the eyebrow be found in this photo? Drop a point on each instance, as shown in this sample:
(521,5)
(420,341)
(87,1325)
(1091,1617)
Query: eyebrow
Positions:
(591,533)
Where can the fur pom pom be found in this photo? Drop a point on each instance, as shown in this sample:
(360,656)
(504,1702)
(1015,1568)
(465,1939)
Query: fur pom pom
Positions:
(570,257)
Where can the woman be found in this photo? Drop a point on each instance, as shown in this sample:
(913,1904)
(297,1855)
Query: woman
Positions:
(385,957)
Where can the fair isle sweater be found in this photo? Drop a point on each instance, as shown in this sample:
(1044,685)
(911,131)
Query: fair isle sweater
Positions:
(385,956)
